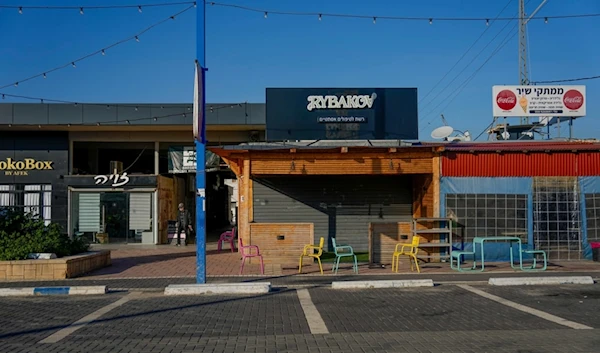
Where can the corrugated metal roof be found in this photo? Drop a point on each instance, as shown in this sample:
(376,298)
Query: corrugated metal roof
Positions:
(519,146)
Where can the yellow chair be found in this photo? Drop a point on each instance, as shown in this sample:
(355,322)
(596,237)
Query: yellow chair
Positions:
(309,251)
(411,252)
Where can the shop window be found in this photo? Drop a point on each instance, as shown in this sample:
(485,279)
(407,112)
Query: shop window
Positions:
(557,217)
(32,199)
(592,212)
(489,215)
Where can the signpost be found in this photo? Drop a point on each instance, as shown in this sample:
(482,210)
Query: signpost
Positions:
(200,140)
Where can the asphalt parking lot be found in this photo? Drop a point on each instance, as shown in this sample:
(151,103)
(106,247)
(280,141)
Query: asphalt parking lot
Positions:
(445,318)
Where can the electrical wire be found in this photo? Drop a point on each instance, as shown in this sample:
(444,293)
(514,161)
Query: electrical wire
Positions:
(465,53)
(320,15)
(97,7)
(569,80)
(100,51)
(465,83)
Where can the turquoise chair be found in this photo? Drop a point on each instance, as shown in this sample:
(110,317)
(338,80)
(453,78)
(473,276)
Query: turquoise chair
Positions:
(343,251)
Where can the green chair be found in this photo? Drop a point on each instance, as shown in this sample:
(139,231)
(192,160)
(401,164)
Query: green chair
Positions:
(343,251)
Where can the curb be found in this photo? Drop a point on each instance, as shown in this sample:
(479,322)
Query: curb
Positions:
(29,291)
(218,288)
(531,281)
(382,284)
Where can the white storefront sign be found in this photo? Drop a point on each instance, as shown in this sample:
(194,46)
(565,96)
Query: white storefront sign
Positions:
(556,101)
(341,102)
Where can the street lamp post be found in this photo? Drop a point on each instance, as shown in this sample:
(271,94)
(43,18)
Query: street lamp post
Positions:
(200,140)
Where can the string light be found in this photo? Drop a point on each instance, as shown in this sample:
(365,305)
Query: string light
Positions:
(374,20)
(487,22)
(103,52)
(100,7)
(545,19)
(44,75)
(135,107)
(320,17)
(398,18)
(100,51)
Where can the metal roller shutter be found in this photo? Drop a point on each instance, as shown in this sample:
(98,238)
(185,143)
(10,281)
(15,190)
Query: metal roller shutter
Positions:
(140,211)
(340,206)
(89,212)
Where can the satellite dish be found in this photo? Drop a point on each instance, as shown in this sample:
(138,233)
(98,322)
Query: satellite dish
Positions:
(442,132)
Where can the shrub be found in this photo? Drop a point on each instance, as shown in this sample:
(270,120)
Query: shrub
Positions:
(22,234)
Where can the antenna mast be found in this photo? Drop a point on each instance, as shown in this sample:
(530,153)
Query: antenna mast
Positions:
(523,69)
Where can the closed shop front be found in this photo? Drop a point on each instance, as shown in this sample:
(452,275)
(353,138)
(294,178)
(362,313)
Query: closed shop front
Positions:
(338,206)
(114,213)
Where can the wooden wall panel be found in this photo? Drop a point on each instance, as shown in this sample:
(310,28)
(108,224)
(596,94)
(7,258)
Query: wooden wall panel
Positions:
(166,207)
(284,252)
(423,195)
(383,238)
(362,166)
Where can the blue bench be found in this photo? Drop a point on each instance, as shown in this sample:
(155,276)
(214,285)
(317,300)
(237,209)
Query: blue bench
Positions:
(458,255)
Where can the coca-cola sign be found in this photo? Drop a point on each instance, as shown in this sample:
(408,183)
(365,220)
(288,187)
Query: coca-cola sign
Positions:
(573,99)
(506,100)
(535,101)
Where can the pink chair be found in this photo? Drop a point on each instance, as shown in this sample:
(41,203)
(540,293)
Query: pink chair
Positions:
(227,236)
(246,251)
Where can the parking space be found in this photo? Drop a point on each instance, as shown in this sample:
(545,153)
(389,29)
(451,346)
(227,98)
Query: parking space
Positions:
(156,315)
(30,319)
(442,308)
(578,303)
(445,318)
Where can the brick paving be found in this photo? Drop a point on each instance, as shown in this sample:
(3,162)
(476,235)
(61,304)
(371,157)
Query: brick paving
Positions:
(445,308)
(440,319)
(134,261)
(576,303)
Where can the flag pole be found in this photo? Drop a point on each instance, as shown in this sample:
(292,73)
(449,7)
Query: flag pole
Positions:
(200,141)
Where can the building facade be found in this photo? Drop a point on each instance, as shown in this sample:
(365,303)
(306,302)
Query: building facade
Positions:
(117,170)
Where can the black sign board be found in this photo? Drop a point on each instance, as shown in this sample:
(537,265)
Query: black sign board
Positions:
(341,114)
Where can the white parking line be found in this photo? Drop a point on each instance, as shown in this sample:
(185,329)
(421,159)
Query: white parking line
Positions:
(59,335)
(526,309)
(314,319)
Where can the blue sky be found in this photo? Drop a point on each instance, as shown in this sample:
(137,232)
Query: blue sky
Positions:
(247,53)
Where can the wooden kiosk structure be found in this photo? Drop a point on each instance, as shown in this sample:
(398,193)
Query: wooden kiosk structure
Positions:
(371,205)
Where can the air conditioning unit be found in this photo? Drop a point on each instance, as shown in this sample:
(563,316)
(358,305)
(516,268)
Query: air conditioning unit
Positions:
(116,167)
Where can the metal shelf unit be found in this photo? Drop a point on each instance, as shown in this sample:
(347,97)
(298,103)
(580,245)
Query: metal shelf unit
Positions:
(440,236)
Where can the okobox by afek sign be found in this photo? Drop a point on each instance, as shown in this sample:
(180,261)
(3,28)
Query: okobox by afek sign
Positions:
(525,101)
(11,166)
(341,113)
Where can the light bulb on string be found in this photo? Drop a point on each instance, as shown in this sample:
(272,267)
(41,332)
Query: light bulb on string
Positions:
(487,22)
(320,17)
(73,64)
(431,21)
(81,10)
(16,84)
(103,52)
(374,20)
(137,39)
(20,10)
(265,14)
(545,19)
(139,9)
(136,109)
(44,75)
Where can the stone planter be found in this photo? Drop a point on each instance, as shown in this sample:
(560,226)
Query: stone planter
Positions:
(62,268)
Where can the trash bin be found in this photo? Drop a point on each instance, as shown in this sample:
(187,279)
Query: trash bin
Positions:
(595,251)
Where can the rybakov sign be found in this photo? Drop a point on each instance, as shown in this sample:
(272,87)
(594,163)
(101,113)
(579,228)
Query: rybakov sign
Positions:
(341,102)
(16,167)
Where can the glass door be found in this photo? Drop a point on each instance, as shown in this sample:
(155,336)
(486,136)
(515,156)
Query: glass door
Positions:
(114,215)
